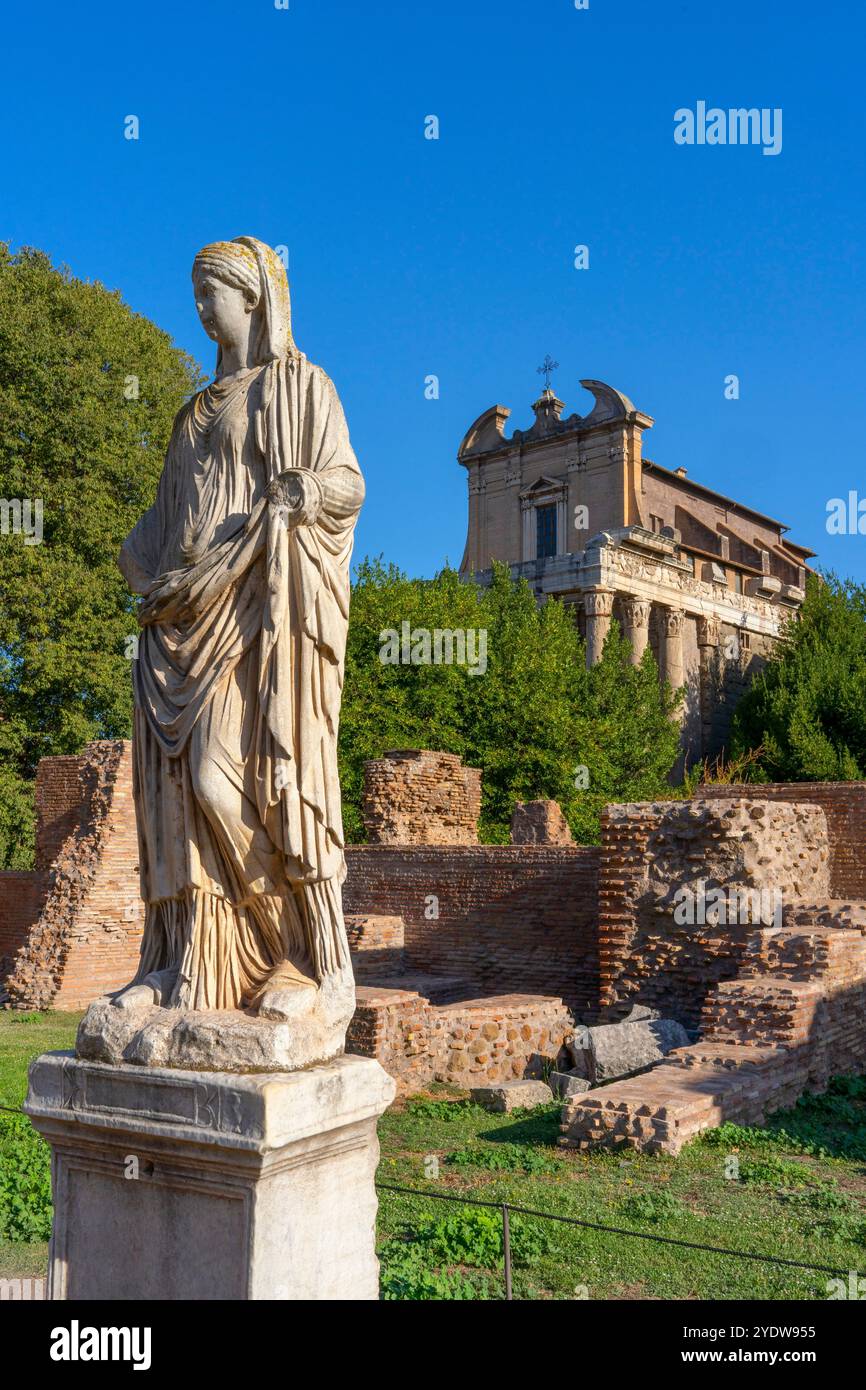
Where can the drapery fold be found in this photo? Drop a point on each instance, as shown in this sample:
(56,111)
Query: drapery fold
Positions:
(199,620)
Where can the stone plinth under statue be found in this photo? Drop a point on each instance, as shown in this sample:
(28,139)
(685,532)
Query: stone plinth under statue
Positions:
(178,1185)
(210,1138)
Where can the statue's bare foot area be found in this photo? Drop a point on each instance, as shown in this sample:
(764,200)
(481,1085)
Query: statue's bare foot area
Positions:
(288,993)
(292,1023)
(155,988)
(134,997)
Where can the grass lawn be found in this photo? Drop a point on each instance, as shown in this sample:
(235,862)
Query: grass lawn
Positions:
(796,1190)
(22,1037)
(800,1194)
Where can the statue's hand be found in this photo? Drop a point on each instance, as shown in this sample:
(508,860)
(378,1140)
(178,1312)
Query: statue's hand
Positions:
(297,496)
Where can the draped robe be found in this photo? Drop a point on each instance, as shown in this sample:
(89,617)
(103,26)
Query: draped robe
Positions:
(238,684)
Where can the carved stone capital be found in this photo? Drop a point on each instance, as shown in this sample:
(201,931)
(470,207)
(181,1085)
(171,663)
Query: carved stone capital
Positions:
(672,620)
(636,612)
(598,603)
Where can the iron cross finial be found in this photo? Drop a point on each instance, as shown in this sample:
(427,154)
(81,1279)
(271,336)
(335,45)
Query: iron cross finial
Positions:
(547,366)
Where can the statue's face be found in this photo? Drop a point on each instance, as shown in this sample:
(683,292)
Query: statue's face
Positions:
(223,309)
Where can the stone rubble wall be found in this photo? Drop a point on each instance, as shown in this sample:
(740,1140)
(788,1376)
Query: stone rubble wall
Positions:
(652,852)
(465,1043)
(844,805)
(421,798)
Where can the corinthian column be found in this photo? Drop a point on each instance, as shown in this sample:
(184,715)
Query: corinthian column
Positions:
(635,616)
(598,606)
(709,634)
(673,667)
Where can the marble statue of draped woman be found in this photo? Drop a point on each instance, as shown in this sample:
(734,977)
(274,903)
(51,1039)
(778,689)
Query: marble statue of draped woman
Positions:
(242,563)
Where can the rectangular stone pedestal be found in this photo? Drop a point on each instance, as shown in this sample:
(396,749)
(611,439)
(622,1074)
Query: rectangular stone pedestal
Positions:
(195,1185)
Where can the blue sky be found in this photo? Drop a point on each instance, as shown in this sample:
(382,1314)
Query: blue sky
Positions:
(411,257)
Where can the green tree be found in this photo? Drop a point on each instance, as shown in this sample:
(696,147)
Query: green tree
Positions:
(88,393)
(806,711)
(387,704)
(531,716)
(627,734)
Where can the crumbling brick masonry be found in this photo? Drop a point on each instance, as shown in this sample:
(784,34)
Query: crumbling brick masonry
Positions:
(421,798)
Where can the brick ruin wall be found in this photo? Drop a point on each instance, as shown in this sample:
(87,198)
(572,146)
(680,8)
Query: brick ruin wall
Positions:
(85,939)
(471,959)
(782,1003)
(21,898)
(658,855)
(498,920)
(794,1016)
(421,798)
(510,919)
(58,812)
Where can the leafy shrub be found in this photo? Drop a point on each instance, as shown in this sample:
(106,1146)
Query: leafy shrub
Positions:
(822,1199)
(25,1181)
(778,1172)
(730,1136)
(830,1214)
(404,1275)
(443,1109)
(853,1086)
(838,1226)
(651,1207)
(475,1238)
(503,1158)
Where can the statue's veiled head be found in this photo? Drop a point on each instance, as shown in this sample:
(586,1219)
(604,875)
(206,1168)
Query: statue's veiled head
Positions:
(235,279)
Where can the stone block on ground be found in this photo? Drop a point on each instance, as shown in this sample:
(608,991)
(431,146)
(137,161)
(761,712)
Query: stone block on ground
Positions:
(565,1083)
(620,1049)
(641,1013)
(512,1095)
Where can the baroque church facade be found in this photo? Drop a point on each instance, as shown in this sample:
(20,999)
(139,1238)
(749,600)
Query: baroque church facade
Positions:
(574,507)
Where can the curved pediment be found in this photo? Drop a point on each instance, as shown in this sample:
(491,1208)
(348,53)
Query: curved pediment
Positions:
(488,432)
(610,404)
